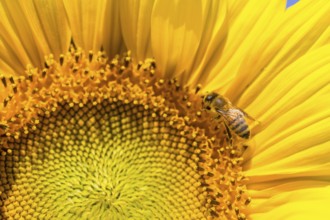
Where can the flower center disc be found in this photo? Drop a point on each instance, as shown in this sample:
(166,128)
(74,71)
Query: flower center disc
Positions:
(88,139)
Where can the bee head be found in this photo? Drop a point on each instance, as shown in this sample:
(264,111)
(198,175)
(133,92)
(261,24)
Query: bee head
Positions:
(208,99)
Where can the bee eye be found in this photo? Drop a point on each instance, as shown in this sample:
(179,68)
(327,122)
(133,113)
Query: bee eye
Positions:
(209,98)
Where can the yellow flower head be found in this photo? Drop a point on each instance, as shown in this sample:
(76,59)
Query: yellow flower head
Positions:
(89,134)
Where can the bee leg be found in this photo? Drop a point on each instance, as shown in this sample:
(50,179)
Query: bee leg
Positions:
(216,117)
(229,134)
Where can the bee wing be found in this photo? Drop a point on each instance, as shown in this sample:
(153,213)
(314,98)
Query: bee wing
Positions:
(234,112)
(230,114)
(246,114)
(249,116)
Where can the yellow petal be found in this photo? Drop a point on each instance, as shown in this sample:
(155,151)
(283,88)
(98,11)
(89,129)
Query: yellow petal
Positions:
(310,203)
(244,32)
(293,85)
(111,34)
(284,36)
(323,39)
(14,29)
(294,111)
(234,9)
(5,69)
(308,117)
(310,164)
(251,44)
(211,44)
(87,22)
(176,29)
(135,23)
(292,141)
(54,25)
(29,30)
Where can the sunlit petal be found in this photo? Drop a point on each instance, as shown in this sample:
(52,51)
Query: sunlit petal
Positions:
(296,204)
(176,30)
(88,21)
(112,35)
(294,115)
(212,42)
(135,18)
(27,36)
(53,25)
(281,39)
(245,26)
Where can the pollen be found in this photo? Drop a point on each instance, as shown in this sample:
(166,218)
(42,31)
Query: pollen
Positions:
(86,137)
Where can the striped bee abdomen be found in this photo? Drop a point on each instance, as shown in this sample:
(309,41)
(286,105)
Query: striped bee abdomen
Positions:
(239,126)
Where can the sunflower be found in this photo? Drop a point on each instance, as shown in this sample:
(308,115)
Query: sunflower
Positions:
(101,109)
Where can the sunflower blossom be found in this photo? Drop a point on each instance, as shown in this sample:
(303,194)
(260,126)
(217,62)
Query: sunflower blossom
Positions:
(101,109)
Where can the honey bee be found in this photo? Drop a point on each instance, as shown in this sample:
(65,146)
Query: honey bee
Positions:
(234,118)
